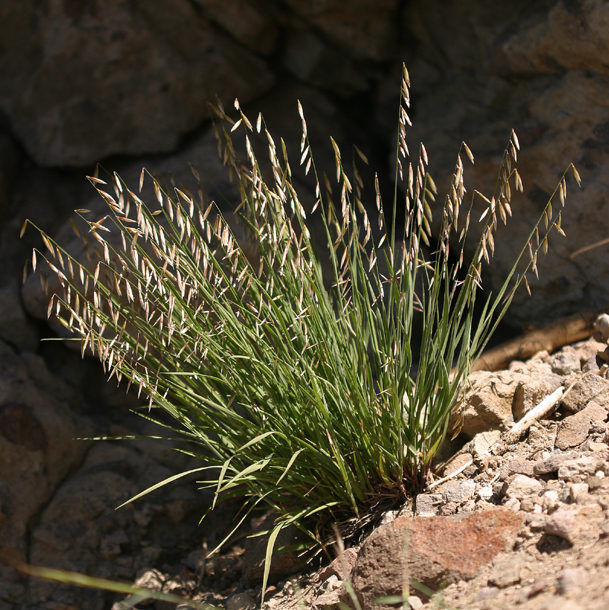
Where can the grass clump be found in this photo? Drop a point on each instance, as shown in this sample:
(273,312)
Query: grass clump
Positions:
(302,397)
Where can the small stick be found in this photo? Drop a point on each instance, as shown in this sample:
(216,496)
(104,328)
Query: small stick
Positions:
(451,475)
(549,337)
(544,408)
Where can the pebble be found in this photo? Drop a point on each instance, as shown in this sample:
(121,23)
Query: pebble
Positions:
(460,493)
(521,486)
(486,593)
(571,469)
(506,572)
(483,441)
(562,524)
(570,580)
(241,601)
(485,493)
(565,362)
(601,325)
(426,505)
(552,463)
(414,602)
(577,489)
(549,500)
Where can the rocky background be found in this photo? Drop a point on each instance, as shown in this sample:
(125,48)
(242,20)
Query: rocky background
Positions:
(126,84)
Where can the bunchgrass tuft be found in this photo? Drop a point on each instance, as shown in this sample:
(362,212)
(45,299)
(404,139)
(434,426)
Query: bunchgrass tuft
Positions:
(303,395)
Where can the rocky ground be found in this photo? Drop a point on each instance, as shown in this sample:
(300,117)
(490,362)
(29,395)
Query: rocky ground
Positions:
(505,521)
(126,84)
(508,522)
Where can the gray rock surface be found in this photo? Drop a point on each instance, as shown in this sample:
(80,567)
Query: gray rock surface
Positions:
(589,387)
(525,66)
(15,327)
(37,451)
(140,76)
(363,27)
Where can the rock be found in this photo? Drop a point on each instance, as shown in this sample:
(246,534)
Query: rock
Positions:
(458,461)
(558,603)
(15,328)
(330,599)
(282,564)
(522,486)
(573,430)
(562,524)
(601,326)
(578,489)
(312,60)
(414,602)
(460,493)
(202,154)
(584,465)
(576,526)
(534,366)
(552,463)
(588,351)
(435,550)
(246,21)
(36,454)
(340,567)
(565,362)
(11,158)
(483,442)
(363,27)
(151,579)
(426,505)
(485,493)
(530,392)
(588,387)
(506,572)
(241,601)
(518,465)
(486,593)
(83,508)
(547,109)
(129,87)
(488,402)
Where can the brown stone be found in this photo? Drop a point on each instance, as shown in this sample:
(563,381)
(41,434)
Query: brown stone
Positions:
(573,430)
(434,551)
(244,21)
(282,564)
(488,404)
(507,571)
(559,112)
(37,451)
(530,392)
(19,426)
(341,567)
(589,387)
(576,526)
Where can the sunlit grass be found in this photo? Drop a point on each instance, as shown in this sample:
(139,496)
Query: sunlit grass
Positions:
(301,393)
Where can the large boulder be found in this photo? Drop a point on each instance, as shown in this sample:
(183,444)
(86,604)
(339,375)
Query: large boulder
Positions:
(281,112)
(80,80)
(533,69)
(80,528)
(366,28)
(38,450)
